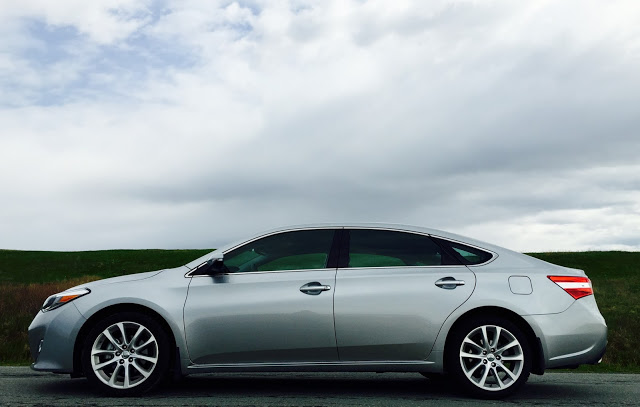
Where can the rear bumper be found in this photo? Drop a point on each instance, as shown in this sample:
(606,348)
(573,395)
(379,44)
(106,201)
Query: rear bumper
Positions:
(574,337)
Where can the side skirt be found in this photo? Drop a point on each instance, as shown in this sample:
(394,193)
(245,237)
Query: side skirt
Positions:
(368,366)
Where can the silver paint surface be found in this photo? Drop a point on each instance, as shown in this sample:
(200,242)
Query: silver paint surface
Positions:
(372,319)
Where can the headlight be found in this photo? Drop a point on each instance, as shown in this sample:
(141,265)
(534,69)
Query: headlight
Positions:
(58,300)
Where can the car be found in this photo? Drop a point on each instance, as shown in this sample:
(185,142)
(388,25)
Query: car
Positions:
(328,297)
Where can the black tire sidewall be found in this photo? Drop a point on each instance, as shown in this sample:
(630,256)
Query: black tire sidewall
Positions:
(160,370)
(452,357)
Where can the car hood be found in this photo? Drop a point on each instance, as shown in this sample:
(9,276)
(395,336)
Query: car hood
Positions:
(127,278)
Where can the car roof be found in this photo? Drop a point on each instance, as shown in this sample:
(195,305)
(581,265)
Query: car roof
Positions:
(514,257)
(373,225)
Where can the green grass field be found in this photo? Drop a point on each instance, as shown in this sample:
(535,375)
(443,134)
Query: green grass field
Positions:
(616,281)
(27,278)
(44,267)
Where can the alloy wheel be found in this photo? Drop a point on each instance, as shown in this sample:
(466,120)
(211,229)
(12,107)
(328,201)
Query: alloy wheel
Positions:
(491,357)
(124,355)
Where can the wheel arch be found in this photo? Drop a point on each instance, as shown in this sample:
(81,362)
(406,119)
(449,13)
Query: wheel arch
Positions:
(174,363)
(538,364)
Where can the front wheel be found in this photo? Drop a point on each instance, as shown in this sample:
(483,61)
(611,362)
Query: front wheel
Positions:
(126,354)
(489,356)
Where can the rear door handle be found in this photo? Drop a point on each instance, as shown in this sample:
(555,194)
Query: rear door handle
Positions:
(314,288)
(449,283)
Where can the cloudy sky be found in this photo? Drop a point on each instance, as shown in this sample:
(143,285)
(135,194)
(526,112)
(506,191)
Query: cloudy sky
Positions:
(187,124)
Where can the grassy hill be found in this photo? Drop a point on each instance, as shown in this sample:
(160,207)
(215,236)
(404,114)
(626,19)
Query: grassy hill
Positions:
(44,267)
(28,277)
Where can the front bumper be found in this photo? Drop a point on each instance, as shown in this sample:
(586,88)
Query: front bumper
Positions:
(52,337)
(574,337)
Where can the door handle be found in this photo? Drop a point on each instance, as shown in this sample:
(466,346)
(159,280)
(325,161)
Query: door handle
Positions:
(314,288)
(449,283)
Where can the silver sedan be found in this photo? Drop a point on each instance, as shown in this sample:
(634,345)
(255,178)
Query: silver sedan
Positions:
(361,297)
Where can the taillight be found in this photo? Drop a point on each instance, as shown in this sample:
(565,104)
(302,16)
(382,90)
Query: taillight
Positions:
(577,287)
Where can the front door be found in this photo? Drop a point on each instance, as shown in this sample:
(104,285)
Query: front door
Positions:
(273,305)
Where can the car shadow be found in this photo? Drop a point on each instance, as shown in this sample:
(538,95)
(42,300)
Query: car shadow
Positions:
(278,384)
(311,386)
(317,385)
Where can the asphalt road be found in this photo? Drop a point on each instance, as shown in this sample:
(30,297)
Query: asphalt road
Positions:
(22,386)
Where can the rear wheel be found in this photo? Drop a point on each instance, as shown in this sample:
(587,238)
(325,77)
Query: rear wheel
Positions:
(126,354)
(489,356)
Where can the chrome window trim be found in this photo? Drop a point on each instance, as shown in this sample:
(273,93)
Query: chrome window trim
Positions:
(189,275)
(280,232)
(260,272)
(334,228)
(402,267)
(494,255)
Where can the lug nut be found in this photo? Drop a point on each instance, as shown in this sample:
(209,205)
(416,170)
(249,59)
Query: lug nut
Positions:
(121,361)
(131,360)
(124,346)
(484,352)
(133,351)
(484,361)
(493,364)
(497,357)
(493,350)
(118,353)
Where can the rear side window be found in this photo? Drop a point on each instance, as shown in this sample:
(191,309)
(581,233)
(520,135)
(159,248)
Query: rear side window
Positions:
(383,248)
(466,254)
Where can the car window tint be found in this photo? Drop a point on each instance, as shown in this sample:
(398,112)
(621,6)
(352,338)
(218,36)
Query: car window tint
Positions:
(296,262)
(382,248)
(373,260)
(298,250)
(470,255)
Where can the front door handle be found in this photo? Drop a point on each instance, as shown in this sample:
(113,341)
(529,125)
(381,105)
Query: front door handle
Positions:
(314,288)
(449,283)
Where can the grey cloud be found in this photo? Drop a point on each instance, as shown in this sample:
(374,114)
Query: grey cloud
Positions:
(463,116)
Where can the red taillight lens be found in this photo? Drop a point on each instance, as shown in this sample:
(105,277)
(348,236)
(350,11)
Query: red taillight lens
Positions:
(577,287)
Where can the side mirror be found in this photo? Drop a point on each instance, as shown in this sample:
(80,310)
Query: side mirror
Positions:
(211,267)
(215,266)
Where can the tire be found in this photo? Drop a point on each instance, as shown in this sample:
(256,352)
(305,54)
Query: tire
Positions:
(126,354)
(481,367)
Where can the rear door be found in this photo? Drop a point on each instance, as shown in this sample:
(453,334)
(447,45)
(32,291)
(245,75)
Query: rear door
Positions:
(394,291)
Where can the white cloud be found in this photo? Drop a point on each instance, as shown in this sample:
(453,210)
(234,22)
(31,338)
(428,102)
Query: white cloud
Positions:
(182,124)
(103,21)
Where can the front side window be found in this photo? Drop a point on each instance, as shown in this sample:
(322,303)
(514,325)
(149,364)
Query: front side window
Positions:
(297,250)
(383,248)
